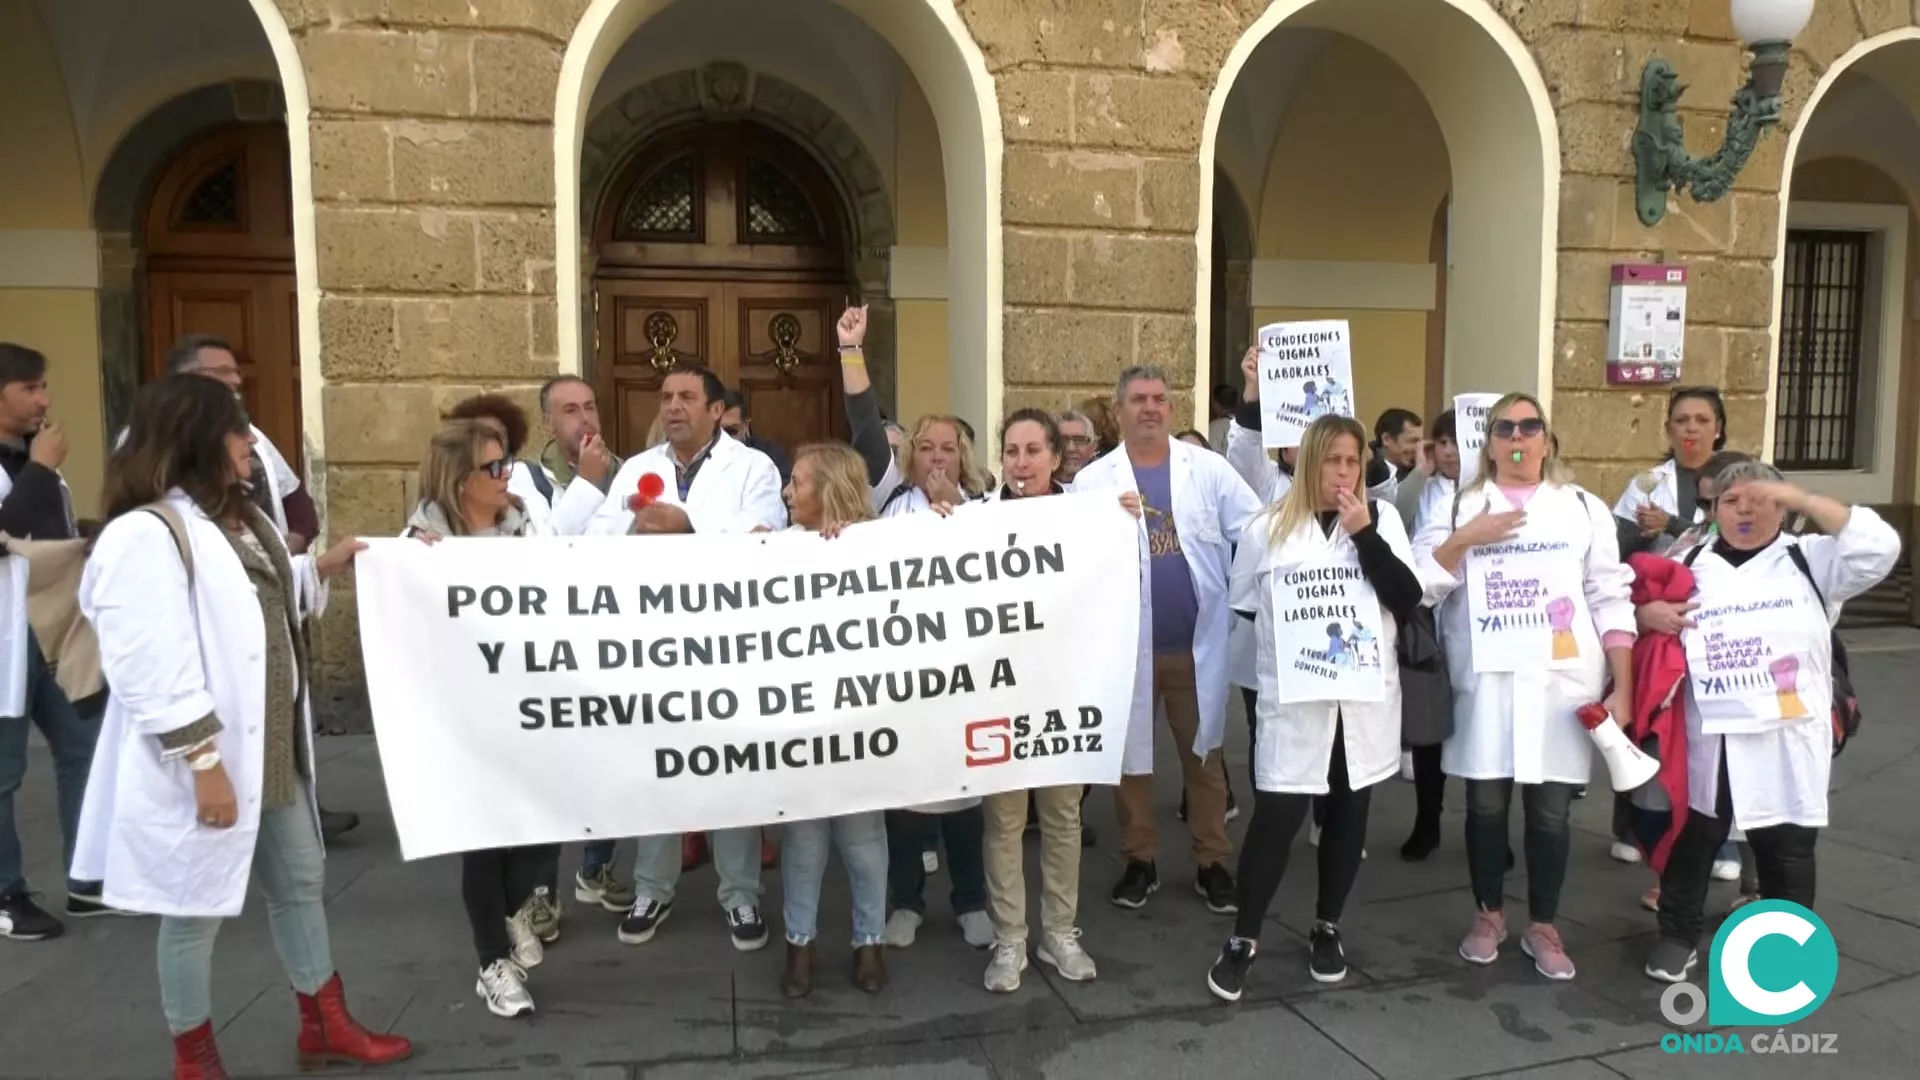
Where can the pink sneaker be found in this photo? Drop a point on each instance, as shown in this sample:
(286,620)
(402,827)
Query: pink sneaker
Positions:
(1542,943)
(1482,943)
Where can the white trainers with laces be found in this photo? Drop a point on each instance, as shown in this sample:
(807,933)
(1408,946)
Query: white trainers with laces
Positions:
(527,950)
(901,927)
(1061,948)
(977,929)
(1003,971)
(502,985)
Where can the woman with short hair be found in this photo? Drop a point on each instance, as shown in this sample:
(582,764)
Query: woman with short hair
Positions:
(205,773)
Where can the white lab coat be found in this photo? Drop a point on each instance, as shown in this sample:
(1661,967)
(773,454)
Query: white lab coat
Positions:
(1211,505)
(1270,483)
(173,658)
(1778,774)
(15,580)
(1666,496)
(737,489)
(1522,725)
(573,504)
(1436,501)
(1293,746)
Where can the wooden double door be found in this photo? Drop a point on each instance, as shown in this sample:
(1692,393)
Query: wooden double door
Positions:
(218,238)
(773,342)
(722,244)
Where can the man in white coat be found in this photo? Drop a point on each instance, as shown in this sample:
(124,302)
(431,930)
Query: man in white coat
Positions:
(1193,508)
(709,484)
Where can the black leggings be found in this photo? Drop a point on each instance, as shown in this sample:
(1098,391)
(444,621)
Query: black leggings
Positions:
(1782,856)
(1277,817)
(493,885)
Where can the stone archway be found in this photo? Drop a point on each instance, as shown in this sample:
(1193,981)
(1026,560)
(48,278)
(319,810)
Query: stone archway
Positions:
(730,91)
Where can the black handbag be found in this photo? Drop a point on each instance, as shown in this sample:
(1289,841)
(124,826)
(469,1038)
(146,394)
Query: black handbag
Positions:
(1426,690)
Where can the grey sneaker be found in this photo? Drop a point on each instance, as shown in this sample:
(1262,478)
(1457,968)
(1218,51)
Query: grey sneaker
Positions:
(527,951)
(1003,971)
(503,986)
(1670,960)
(1061,948)
(604,889)
(543,915)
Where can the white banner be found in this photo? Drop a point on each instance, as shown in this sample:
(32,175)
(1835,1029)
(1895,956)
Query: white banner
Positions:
(1306,372)
(1751,659)
(1523,597)
(1327,634)
(559,689)
(1471,413)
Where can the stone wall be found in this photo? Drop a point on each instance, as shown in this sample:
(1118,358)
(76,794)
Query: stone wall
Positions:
(432,144)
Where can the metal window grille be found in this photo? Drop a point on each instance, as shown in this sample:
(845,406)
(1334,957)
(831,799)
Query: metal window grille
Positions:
(1822,325)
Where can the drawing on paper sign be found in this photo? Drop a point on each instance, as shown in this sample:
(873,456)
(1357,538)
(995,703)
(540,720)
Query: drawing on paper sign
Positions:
(1560,614)
(1786,687)
(1330,398)
(1355,648)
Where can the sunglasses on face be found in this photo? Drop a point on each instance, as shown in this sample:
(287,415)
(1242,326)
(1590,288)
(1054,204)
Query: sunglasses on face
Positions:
(1530,428)
(498,468)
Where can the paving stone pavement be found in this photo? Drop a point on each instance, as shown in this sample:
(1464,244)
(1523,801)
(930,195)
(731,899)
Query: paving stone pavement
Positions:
(686,1005)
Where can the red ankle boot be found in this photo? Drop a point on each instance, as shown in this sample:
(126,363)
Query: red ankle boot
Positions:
(328,1034)
(195,1057)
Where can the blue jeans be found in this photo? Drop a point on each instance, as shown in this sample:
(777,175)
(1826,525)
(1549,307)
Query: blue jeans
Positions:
(289,865)
(862,842)
(596,856)
(736,856)
(70,735)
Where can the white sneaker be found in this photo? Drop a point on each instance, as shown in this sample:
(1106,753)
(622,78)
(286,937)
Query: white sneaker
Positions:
(1061,948)
(1726,869)
(527,950)
(930,861)
(1313,835)
(502,985)
(1406,766)
(1003,971)
(977,929)
(1627,853)
(901,927)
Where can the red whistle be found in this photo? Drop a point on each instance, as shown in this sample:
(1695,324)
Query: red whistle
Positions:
(651,488)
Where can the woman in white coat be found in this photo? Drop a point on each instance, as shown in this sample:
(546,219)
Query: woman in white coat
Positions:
(464,492)
(203,779)
(1547,617)
(1323,557)
(1760,749)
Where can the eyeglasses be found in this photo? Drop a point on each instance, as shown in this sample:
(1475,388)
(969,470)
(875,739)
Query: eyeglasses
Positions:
(1077,440)
(498,468)
(1531,428)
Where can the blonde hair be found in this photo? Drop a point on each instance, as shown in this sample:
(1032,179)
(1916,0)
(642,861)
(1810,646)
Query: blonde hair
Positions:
(840,480)
(971,480)
(656,432)
(1552,469)
(1302,501)
(453,455)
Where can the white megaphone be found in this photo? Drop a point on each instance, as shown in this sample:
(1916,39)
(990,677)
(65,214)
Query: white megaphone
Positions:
(1626,763)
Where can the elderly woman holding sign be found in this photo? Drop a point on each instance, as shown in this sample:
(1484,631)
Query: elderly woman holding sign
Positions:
(1760,689)
(204,773)
(463,492)
(1324,555)
(1547,615)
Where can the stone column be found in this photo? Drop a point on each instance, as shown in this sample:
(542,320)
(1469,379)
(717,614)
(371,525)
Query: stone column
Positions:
(433,205)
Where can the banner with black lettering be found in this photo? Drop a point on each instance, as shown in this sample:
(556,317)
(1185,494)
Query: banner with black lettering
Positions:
(557,689)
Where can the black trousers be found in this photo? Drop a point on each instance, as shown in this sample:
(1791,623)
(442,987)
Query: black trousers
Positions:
(1277,818)
(1782,857)
(493,885)
(1429,787)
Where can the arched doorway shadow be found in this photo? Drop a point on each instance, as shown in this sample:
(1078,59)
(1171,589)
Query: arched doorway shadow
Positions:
(1498,125)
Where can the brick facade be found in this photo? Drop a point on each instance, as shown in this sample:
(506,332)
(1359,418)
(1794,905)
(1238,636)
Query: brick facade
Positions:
(432,174)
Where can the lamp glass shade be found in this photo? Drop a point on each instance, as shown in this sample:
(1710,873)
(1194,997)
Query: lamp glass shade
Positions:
(1761,22)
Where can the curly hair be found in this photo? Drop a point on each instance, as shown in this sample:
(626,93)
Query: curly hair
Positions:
(500,409)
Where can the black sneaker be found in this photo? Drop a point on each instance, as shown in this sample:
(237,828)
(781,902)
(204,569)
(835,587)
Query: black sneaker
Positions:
(22,920)
(643,918)
(1140,881)
(1227,979)
(749,932)
(1327,961)
(1087,837)
(1670,961)
(84,902)
(1215,885)
(1182,812)
(1233,806)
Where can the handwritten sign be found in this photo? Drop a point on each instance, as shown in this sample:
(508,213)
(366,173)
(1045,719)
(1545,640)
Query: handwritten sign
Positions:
(1749,658)
(1326,627)
(1471,414)
(1306,372)
(1525,598)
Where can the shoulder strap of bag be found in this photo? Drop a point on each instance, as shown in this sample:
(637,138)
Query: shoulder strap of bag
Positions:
(178,527)
(893,497)
(540,481)
(1800,560)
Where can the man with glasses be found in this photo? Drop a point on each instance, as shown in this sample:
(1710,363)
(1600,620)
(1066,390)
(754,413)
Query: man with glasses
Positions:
(1078,444)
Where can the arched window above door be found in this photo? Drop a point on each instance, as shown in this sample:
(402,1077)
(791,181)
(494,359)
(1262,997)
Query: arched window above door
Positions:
(776,210)
(665,205)
(214,201)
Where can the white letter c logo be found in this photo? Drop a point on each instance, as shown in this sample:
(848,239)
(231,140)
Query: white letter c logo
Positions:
(1736,953)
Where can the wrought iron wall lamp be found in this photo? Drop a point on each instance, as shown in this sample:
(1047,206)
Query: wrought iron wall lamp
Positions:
(1661,162)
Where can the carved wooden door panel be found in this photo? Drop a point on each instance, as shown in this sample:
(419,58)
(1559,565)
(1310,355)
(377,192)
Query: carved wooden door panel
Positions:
(789,360)
(253,312)
(647,328)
